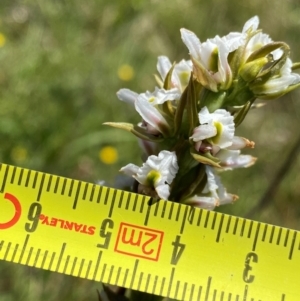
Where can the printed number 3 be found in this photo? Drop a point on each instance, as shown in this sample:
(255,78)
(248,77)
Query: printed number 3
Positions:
(251,257)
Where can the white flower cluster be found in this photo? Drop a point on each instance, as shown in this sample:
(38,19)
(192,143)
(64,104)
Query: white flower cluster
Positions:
(188,122)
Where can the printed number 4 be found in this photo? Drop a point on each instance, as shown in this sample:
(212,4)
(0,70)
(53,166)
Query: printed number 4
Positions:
(177,250)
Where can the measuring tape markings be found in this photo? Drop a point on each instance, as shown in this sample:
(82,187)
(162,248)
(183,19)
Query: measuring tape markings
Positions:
(206,222)
(162,285)
(75,202)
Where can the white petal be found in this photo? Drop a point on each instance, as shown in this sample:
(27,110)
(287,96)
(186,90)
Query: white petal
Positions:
(130,169)
(278,85)
(216,188)
(224,72)
(181,74)
(166,164)
(278,53)
(211,181)
(163,66)
(218,127)
(244,161)
(225,138)
(127,96)
(142,173)
(163,95)
(228,156)
(204,116)
(159,96)
(232,159)
(225,133)
(251,24)
(233,40)
(227,198)
(203,202)
(204,131)
(184,66)
(191,41)
(256,42)
(207,50)
(151,115)
(163,191)
(224,197)
(240,142)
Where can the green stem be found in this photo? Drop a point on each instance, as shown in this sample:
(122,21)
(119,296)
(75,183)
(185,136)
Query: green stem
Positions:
(212,100)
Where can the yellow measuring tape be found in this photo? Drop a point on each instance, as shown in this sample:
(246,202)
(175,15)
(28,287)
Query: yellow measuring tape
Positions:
(120,238)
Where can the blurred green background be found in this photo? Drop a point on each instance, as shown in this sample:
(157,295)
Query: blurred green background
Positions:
(62,62)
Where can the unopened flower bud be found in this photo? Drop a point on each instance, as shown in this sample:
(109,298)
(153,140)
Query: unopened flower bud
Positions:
(281,82)
(251,70)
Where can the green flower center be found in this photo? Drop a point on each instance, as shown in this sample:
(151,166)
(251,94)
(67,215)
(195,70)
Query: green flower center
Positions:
(213,61)
(184,77)
(152,177)
(257,46)
(219,128)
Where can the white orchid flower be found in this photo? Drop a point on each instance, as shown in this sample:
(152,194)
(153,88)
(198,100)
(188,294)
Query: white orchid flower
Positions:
(233,40)
(181,73)
(236,39)
(214,193)
(210,64)
(210,58)
(204,202)
(159,96)
(256,42)
(231,159)
(147,105)
(216,189)
(156,173)
(239,143)
(216,128)
(282,81)
(183,69)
